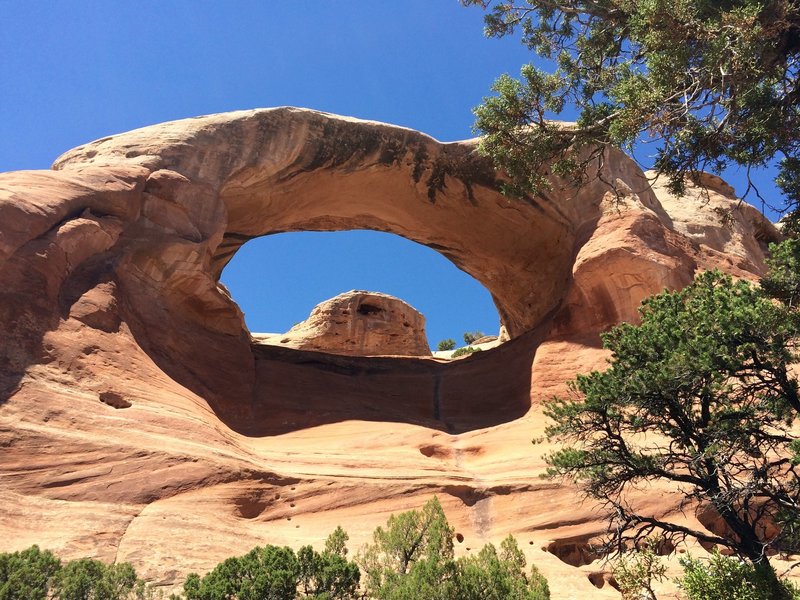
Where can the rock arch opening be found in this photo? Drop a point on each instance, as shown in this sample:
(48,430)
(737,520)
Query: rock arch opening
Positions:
(277,280)
(197,190)
(304,385)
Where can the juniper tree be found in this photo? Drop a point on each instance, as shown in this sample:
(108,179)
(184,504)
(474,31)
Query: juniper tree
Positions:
(700,395)
(709,83)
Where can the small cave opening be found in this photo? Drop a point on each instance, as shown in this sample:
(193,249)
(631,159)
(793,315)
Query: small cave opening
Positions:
(368,309)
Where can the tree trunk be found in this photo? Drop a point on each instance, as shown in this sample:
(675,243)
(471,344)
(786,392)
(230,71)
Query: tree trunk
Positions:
(755,550)
(769,578)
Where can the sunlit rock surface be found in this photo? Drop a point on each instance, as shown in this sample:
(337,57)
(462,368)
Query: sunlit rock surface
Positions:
(139,422)
(358,323)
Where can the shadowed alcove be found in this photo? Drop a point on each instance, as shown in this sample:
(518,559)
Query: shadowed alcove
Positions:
(321,386)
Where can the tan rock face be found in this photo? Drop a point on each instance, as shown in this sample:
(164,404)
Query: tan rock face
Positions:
(139,422)
(728,231)
(359,323)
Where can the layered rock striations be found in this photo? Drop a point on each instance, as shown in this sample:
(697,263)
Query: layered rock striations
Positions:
(140,422)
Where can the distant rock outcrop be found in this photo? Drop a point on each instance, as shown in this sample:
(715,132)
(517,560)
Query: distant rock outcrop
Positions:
(139,421)
(358,323)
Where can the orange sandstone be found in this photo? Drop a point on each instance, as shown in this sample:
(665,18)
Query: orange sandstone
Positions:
(139,422)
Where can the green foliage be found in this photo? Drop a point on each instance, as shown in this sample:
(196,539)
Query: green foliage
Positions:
(464,351)
(264,573)
(723,577)
(412,559)
(88,579)
(788,538)
(336,543)
(448,344)
(275,573)
(537,585)
(38,575)
(712,83)
(426,580)
(700,395)
(191,587)
(492,576)
(329,575)
(783,279)
(27,575)
(637,571)
(473,336)
(417,540)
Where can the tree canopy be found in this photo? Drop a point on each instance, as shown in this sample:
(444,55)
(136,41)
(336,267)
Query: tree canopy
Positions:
(709,83)
(723,577)
(27,575)
(701,396)
(412,551)
(35,574)
(412,559)
(277,573)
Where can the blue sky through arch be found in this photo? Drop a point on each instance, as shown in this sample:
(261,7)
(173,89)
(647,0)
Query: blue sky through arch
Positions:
(278,279)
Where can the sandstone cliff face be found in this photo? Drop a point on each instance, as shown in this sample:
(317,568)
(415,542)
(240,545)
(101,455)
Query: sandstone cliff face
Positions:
(139,422)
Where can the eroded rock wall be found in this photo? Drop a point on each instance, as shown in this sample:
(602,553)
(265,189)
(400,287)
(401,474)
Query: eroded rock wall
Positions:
(139,423)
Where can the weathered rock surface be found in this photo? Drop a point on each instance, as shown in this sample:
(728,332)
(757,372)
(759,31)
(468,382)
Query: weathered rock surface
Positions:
(139,422)
(358,323)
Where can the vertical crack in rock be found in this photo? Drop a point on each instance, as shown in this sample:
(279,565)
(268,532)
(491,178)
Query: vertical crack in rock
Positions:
(437,396)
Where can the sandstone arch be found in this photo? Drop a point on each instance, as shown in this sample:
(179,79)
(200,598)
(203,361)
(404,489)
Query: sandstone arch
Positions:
(116,339)
(254,173)
(170,204)
(145,221)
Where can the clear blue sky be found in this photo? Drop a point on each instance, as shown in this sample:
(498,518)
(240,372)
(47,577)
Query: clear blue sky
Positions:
(73,71)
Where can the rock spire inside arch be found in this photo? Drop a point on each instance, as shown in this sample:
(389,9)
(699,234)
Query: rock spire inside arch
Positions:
(358,323)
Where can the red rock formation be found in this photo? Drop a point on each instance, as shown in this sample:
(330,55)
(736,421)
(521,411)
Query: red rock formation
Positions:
(358,323)
(139,423)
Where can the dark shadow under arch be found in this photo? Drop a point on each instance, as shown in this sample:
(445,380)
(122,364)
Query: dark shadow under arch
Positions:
(297,389)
